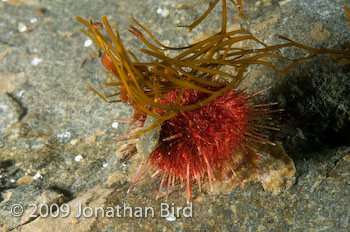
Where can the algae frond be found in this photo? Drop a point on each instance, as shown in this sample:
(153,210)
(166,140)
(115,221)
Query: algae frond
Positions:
(198,66)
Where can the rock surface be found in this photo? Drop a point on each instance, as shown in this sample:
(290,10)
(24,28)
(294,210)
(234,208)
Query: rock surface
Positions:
(59,133)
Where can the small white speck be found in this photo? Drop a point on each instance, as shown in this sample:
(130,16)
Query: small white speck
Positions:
(115,125)
(170,218)
(88,43)
(73,141)
(22,27)
(33,20)
(21,93)
(36,61)
(165,13)
(105,165)
(64,135)
(37,176)
(12,181)
(78,158)
(284,2)
(35,50)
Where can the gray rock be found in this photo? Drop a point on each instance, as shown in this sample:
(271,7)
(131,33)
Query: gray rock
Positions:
(10,111)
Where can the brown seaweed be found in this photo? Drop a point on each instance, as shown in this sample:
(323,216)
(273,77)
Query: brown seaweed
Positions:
(198,66)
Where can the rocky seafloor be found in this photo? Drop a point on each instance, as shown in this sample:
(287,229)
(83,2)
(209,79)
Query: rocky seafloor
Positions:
(57,143)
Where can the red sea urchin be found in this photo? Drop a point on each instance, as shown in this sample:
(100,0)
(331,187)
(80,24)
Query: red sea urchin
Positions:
(204,143)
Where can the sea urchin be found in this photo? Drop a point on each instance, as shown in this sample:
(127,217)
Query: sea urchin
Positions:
(204,143)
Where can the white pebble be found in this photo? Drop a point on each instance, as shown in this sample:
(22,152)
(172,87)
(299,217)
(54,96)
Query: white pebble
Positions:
(21,93)
(64,135)
(12,181)
(284,2)
(105,165)
(35,61)
(165,13)
(22,27)
(88,43)
(37,176)
(73,141)
(115,125)
(33,20)
(78,158)
(170,218)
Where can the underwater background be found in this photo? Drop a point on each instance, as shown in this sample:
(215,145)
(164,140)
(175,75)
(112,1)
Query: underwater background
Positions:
(57,141)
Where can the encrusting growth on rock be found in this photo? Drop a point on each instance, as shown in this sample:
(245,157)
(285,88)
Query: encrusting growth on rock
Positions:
(204,120)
